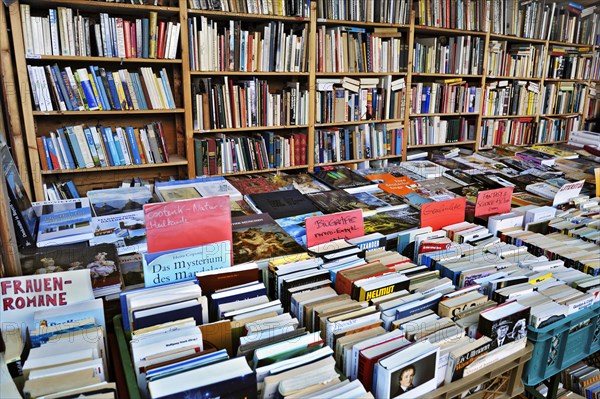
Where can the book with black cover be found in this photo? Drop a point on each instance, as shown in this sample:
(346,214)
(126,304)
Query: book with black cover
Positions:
(504,323)
(257,237)
(337,201)
(340,177)
(282,204)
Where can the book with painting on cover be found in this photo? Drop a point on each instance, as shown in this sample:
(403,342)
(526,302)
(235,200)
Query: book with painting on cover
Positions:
(119,200)
(338,177)
(392,222)
(302,182)
(257,237)
(295,226)
(252,184)
(337,201)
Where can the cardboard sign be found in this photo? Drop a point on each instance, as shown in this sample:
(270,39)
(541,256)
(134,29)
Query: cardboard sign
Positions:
(567,192)
(597,175)
(493,202)
(187,223)
(443,213)
(179,265)
(326,228)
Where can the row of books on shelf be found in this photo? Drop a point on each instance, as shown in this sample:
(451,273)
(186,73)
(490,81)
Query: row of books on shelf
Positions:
(298,8)
(563,98)
(435,130)
(507,131)
(96,89)
(463,16)
(456,97)
(247,103)
(80,147)
(565,22)
(503,98)
(461,55)
(365,141)
(348,99)
(397,12)
(352,49)
(266,150)
(272,47)
(65,33)
(579,381)
(570,63)
(515,59)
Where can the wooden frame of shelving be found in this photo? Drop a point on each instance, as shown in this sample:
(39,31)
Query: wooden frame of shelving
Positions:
(182,162)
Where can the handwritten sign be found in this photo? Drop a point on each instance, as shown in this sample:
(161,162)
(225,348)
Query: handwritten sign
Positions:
(179,265)
(443,213)
(493,202)
(188,223)
(567,192)
(326,228)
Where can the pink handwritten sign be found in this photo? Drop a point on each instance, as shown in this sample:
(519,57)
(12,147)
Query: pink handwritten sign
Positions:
(493,202)
(443,213)
(326,228)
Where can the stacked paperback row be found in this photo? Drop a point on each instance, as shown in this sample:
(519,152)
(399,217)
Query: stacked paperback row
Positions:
(273,47)
(62,33)
(247,103)
(461,55)
(96,89)
(508,131)
(80,146)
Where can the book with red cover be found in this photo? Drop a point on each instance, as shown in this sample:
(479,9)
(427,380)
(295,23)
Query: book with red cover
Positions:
(252,184)
(160,45)
(187,223)
(366,365)
(127,38)
(345,278)
(213,280)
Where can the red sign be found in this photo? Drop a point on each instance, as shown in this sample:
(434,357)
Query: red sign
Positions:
(187,223)
(443,213)
(326,228)
(493,202)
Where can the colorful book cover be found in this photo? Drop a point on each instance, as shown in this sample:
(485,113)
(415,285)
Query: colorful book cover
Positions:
(337,201)
(67,225)
(302,182)
(257,237)
(119,200)
(127,231)
(392,222)
(340,177)
(252,184)
(168,223)
(295,227)
(132,270)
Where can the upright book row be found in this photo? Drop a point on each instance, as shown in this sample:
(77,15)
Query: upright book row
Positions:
(298,8)
(462,15)
(247,103)
(457,97)
(461,55)
(80,147)
(394,12)
(95,88)
(518,60)
(435,130)
(64,32)
(272,47)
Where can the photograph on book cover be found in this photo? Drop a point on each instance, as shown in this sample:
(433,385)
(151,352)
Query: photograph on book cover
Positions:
(406,380)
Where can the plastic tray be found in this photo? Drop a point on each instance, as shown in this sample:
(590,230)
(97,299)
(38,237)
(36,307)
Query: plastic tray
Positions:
(562,344)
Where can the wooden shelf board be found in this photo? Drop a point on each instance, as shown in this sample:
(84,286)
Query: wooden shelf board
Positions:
(565,44)
(448,75)
(102,6)
(560,115)
(446,114)
(73,58)
(433,29)
(324,21)
(507,116)
(318,125)
(494,36)
(100,113)
(468,142)
(367,74)
(358,160)
(250,129)
(265,170)
(245,16)
(241,73)
(562,80)
(512,78)
(174,160)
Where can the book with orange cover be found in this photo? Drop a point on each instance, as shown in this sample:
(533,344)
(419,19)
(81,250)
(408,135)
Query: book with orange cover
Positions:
(345,278)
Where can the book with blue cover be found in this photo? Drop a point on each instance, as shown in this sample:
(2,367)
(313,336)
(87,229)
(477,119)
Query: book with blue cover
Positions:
(68,225)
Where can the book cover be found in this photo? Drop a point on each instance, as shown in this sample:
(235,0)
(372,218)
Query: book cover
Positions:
(295,226)
(127,231)
(336,201)
(132,270)
(67,225)
(168,224)
(252,184)
(257,237)
(393,221)
(302,182)
(339,177)
(119,200)
(282,204)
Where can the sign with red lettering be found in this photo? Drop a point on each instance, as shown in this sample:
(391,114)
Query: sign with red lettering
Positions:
(326,228)
(23,296)
(567,191)
(443,213)
(187,223)
(493,202)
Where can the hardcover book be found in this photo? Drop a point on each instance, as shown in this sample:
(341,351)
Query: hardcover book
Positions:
(282,204)
(337,201)
(252,184)
(72,223)
(301,182)
(257,237)
(119,200)
(392,222)
(127,231)
(295,226)
(340,177)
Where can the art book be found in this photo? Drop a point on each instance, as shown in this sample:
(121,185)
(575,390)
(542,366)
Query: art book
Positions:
(295,226)
(169,224)
(119,200)
(338,177)
(301,182)
(132,270)
(23,296)
(257,237)
(127,231)
(252,184)
(101,261)
(281,204)
(337,201)
(393,221)
(65,223)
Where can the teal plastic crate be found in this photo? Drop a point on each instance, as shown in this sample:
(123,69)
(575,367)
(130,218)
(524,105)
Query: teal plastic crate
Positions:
(562,344)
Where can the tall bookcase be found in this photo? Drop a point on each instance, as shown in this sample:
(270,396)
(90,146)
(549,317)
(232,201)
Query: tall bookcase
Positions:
(427,25)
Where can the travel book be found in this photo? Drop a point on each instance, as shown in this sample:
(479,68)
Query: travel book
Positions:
(127,231)
(70,223)
(119,200)
(257,237)
(337,201)
(338,177)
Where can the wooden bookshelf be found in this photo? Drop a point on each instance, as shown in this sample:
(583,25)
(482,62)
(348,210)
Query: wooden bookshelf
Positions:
(180,121)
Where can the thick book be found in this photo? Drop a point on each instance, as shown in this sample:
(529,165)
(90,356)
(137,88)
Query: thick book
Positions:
(504,323)
(67,225)
(282,204)
(334,201)
(340,177)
